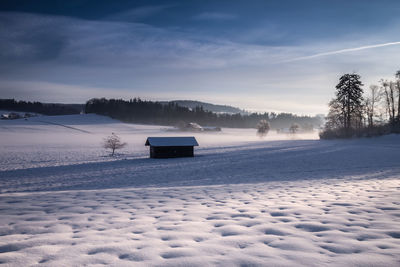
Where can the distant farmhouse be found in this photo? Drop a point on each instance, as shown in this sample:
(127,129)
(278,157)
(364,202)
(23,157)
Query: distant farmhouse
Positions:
(195,127)
(171,147)
(15,115)
(192,126)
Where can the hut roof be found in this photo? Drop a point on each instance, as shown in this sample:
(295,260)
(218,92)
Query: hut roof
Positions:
(171,141)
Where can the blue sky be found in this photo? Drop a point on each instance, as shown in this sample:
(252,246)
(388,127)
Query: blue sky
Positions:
(258,55)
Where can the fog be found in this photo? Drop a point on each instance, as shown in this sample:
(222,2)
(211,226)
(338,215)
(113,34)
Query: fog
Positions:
(79,138)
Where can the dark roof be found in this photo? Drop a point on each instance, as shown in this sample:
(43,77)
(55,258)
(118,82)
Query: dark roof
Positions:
(171,141)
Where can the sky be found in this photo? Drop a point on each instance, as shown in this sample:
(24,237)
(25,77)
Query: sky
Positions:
(282,56)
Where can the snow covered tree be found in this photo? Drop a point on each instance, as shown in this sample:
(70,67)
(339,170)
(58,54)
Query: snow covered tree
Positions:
(349,97)
(263,127)
(113,142)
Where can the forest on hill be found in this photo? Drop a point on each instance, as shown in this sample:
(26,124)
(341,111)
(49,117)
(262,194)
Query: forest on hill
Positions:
(208,106)
(163,113)
(149,112)
(41,108)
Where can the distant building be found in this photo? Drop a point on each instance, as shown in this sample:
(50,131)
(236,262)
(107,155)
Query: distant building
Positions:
(10,116)
(171,147)
(195,127)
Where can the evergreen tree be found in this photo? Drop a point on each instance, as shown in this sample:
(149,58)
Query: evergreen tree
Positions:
(349,95)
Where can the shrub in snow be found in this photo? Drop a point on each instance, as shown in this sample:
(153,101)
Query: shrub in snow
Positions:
(113,142)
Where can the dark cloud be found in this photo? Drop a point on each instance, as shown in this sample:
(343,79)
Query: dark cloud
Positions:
(28,38)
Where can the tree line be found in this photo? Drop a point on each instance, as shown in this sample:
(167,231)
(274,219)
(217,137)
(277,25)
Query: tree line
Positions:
(41,108)
(148,112)
(355,113)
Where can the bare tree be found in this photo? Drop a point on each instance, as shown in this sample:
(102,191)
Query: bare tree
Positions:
(335,118)
(294,128)
(370,102)
(389,89)
(385,92)
(392,88)
(263,128)
(113,142)
(397,75)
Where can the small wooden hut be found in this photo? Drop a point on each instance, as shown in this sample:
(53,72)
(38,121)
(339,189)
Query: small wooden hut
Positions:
(171,147)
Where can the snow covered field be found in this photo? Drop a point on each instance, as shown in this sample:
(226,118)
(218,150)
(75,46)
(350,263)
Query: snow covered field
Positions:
(242,201)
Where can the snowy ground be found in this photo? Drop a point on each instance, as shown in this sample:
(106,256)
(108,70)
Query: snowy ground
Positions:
(241,201)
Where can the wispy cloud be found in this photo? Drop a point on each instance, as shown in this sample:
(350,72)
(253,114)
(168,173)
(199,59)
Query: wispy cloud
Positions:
(341,51)
(66,59)
(116,44)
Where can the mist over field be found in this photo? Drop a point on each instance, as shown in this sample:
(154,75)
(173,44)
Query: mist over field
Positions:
(199,133)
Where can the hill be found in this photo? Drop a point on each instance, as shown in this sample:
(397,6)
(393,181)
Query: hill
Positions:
(170,113)
(192,104)
(41,108)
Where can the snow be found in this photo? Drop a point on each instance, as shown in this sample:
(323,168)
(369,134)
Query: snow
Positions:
(241,201)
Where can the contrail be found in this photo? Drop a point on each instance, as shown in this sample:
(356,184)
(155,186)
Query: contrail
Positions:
(343,51)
